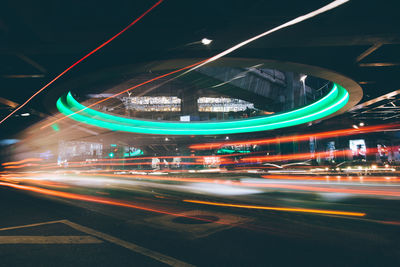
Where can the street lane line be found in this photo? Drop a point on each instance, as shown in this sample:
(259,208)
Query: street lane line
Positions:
(131,246)
(30,225)
(80,239)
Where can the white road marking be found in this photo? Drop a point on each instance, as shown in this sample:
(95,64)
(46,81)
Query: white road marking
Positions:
(131,246)
(30,225)
(80,239)
(136,248)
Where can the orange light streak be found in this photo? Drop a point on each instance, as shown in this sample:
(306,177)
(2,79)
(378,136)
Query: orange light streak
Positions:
(22,161)
(298,156)
(317,188)
(303,137)
(95,199)
(81,197)
(318,211)
(82,59)
(21,166)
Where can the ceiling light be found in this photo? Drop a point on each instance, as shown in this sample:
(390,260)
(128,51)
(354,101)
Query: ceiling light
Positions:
(355,126)
(206,41)
(361,124)
(25,114)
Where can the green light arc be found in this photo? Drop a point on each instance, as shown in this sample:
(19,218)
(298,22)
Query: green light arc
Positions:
(336,99)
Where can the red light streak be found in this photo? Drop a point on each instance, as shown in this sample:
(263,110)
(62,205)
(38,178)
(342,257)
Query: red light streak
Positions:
(21,166)
(333,178)
(298,156)
(304,137)
(82,59)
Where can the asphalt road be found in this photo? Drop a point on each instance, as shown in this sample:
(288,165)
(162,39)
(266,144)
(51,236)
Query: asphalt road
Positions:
(161,229)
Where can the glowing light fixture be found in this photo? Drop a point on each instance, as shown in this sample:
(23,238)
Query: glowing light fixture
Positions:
(329,104)
(206,41)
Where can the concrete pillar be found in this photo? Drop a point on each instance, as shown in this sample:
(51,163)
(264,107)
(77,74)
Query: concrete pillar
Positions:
(189,104)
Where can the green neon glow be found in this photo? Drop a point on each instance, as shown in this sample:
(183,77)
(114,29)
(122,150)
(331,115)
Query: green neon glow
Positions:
(332,102)
(134,153)
(55,127)
(231,151)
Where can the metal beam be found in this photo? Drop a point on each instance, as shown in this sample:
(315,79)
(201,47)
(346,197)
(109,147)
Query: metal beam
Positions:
(375,100)
(8,102)
(379,64)
(22,76)
(368,51)
(13,104)
(31,62)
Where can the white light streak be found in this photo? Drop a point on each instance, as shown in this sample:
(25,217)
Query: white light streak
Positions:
(307,16)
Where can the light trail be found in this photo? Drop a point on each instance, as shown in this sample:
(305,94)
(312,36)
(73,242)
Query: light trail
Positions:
(303,137)
(119,164)
(318,188)
(100,200)
(325,188)
(21,166)
(82,59)
(108,201)
(151,157)
(302,210)
(22,161)
(299,156)
(321,10)
(124,91)
(74,196)
(330,103)
(334,178)
(307,16)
